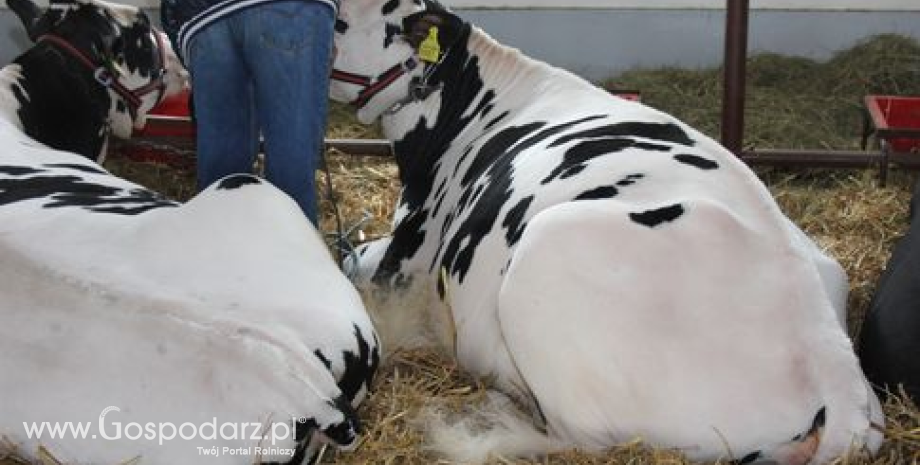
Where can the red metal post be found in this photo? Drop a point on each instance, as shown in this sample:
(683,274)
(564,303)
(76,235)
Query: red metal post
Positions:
(736,31)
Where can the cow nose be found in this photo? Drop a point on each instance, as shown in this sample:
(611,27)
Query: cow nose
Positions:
(345,433)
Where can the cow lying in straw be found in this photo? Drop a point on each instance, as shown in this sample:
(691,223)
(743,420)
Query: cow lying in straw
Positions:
(890,336)
(221,326)
(607,265)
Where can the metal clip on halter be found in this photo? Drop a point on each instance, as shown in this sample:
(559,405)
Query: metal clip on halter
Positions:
(103,76)
(419,89)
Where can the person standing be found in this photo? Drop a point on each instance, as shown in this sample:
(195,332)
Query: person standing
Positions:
(257,67)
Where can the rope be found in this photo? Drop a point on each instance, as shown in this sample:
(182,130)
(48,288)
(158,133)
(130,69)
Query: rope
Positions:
(343,246)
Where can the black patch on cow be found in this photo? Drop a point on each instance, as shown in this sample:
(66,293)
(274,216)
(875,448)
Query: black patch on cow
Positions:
(496,120)
(749,458)
(72,191)
(60,103)
(303,429)
(493,167)
(322,358)
(391,31)
(461,159)
(818,422)
(408,236)
(652,218)
(389,7)
(603,192)
(463,200)
(236,181)
(464,100)
(486,104)
(439,195)
(498,148)
(578,155)
(448,222)
(128,211)
(416,153)
(341,26)
(572,171)
(18,170)
(514,221)
(488,109)
(630,180)
(663,132)
(342,432)
(76,167)
(697,161)
(359,367)
(651,147)
(494,162)
(477,194)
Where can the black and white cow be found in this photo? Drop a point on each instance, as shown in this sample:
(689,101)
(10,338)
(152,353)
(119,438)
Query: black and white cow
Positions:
(171,331)
(615,269)
(890,337)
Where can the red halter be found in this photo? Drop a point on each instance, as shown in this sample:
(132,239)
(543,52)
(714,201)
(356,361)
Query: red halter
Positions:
(372,87)
(104,77)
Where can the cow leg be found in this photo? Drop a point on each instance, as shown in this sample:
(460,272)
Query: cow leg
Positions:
(616,319)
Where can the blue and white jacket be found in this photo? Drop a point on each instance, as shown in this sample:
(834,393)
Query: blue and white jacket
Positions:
(182,19)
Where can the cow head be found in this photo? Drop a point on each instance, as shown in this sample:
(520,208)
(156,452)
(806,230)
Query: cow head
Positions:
(384,50)
(119,49)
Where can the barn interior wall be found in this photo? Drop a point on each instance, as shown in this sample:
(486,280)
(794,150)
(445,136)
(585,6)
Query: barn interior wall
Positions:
(601,43)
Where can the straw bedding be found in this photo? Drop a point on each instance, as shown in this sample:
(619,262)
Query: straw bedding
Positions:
(792,103)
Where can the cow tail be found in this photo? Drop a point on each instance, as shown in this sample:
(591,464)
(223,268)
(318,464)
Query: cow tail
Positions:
(496,428)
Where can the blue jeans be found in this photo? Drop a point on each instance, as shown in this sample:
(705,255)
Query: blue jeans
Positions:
(264,69)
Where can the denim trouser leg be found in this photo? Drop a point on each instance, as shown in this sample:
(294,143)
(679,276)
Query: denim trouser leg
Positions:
(289,57)
(267,64)
(227,137)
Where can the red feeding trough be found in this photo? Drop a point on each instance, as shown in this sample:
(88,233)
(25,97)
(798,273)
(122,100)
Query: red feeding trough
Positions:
(171,118)
(895,120)
(168,138)
(176,105)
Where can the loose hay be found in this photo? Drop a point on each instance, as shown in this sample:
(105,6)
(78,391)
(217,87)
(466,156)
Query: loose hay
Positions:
(792,103)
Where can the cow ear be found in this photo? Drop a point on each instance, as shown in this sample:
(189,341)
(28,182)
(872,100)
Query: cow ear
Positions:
(36,21)
(29,13)
(417,27)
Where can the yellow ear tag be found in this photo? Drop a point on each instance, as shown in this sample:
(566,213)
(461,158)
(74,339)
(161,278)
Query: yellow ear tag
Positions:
(430,48)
